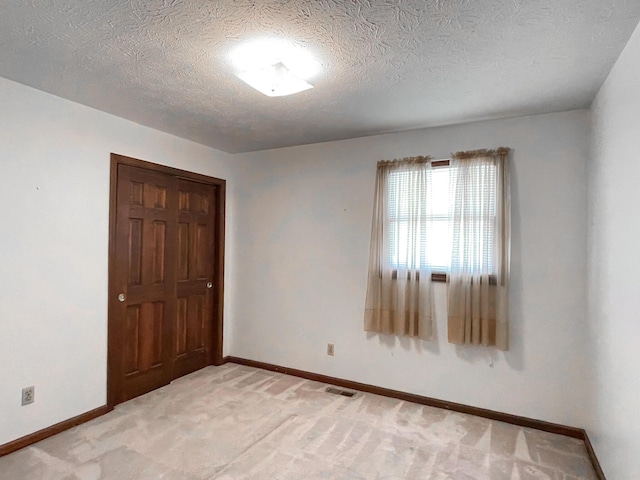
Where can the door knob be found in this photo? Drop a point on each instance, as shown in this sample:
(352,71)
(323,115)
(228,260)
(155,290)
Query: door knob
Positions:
(122,297)
(209,285)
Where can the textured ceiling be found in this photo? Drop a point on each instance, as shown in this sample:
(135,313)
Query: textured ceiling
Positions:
(388,65)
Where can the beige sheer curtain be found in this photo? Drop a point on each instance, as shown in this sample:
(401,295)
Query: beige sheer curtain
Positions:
(399,284)
(479,276)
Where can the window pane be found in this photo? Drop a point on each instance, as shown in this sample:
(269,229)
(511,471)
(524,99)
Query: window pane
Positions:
(438,244)
(410,214)
(440,191)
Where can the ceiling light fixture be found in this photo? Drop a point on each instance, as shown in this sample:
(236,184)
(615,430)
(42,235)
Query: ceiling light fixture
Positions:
(274,67)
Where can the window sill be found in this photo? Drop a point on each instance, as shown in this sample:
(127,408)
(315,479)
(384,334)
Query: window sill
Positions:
(435,276)
(441,277)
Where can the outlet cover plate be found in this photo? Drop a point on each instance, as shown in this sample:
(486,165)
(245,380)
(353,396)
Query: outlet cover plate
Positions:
(28,395)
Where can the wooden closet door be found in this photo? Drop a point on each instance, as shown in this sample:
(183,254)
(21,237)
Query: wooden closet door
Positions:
(166,269)
(195,276)
(145,273)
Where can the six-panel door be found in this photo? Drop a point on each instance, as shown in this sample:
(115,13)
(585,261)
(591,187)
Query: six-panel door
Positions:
(164,268)
(194,276)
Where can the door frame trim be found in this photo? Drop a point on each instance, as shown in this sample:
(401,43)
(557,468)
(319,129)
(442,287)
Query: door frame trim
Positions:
(215,355)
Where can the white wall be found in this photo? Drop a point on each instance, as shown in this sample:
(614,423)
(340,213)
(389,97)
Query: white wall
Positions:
(54,205)
(304,220)
(298,226)
(614,266)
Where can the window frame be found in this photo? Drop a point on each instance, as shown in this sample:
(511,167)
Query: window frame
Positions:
(436,276)
(440,275)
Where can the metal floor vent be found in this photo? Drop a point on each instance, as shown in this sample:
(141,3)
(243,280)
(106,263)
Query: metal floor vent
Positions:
(337,391)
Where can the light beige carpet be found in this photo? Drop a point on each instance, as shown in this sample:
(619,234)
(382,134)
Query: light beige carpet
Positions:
(235,422)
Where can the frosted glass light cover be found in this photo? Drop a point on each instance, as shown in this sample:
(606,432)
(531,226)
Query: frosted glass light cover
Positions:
(274,80)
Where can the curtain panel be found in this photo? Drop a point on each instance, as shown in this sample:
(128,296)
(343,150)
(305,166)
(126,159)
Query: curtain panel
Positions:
(477,295)
(399,295)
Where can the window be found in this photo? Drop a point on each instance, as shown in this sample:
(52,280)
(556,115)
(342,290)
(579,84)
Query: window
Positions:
(434,245)
(435,208)
(445,221)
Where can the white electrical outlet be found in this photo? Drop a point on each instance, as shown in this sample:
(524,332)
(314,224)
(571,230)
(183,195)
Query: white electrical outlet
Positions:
(28,395)
(330,349)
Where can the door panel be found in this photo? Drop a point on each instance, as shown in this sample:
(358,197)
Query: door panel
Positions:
(196,229)
(143,277)
(166,236)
